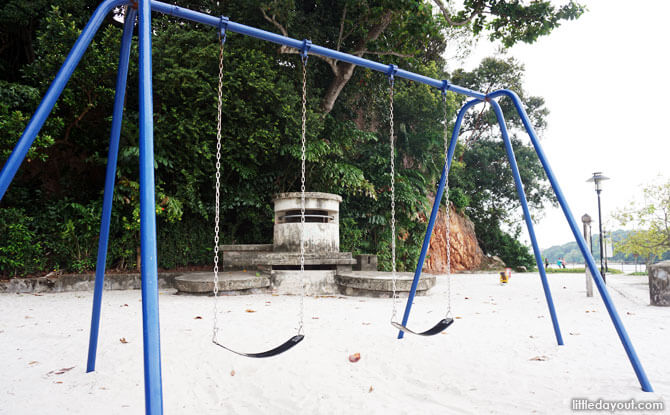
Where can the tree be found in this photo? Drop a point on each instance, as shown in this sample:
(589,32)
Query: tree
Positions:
(510,21)
(482,182)
(347,119)
(650,219)
(405,29)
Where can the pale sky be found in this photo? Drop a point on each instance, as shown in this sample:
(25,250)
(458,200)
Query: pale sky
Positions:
(605,79)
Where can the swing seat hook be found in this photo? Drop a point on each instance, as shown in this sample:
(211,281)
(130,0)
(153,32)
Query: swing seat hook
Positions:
(391,72)
(223,26)
(304,51)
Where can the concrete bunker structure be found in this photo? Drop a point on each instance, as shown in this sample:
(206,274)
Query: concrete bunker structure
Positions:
(322,222)
(275,267)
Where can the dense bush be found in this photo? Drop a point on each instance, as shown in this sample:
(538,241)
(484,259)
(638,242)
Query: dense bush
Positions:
(50,213)
(20,250)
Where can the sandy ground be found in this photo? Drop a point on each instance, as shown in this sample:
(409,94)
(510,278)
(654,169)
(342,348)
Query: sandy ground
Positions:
(484,363)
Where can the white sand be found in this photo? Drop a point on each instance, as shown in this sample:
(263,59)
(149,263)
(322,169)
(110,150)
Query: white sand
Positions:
(481,364)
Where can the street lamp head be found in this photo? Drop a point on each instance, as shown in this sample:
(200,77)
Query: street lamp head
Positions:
(598,178)
(586,219)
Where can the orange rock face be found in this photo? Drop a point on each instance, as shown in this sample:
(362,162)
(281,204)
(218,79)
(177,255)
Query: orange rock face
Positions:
(465,251)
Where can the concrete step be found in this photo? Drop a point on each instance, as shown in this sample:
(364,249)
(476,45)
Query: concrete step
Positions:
(230,282)
(380,284)
(246,248)
(254,258)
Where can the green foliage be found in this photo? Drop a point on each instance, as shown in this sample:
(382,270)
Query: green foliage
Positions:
(481,179)
(20,248)
(16,103)
(552,270)
(512,21)
(571,252)
(650,217)
(57,193)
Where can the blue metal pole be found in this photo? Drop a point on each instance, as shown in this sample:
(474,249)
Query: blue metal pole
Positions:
(527,217)
(35,124)
(153,390)
(114,135)
(434,211)
(298,44)
(602,289)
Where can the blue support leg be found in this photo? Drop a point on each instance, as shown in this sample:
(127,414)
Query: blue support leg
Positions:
(527,217)
(37,121)
(117,119)
(433,213)
(153,390)
(597,278)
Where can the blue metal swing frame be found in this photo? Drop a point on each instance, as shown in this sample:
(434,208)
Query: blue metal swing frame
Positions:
(151,334)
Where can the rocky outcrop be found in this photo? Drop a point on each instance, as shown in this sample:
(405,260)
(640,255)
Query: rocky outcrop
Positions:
(466,254)
(659,284)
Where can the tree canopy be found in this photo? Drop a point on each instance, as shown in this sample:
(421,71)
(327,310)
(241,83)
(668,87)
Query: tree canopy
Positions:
(52,209)
(650,219)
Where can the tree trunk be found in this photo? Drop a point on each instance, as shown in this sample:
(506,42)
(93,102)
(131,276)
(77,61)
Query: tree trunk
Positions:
(342,76)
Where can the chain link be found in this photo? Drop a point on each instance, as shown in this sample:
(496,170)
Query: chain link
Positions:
(448,209)
(215,328)
(301,315)
(393,238)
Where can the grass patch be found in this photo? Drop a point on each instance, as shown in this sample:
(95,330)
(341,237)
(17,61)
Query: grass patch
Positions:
(638,273)
(579,271)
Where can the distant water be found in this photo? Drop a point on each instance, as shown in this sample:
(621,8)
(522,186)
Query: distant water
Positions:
(626,268)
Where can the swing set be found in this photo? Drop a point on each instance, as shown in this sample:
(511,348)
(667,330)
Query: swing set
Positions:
(140,11)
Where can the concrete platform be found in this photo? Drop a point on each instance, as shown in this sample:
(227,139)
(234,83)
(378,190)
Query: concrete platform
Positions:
(235,282)
(380,284)
(252,258)
(317,282)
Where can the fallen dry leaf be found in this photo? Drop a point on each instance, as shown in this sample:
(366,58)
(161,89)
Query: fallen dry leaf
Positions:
(33,362)
(315,318)
(197,318)
(123,340)
(458,317)
(232,372)
(365,324)
(629,313)
(371,389)
(353,358)
(58,381)
(248,310)
(574,334)
(63,370)
(539,358)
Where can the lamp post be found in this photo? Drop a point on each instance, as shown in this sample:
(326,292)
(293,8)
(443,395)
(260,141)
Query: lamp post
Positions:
(597,179)
(586,220)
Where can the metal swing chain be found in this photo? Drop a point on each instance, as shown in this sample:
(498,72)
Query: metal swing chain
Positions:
(393,238)
(215,329)
(301,314)
(448,210)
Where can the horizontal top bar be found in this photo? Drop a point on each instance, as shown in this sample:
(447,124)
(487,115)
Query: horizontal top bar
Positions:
(313,49)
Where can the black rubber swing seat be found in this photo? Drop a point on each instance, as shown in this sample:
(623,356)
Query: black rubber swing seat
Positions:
(272,352)
(436,329)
